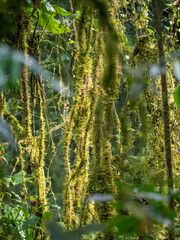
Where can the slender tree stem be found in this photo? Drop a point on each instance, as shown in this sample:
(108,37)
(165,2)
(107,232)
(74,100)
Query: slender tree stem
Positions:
(167,134)
(74,21)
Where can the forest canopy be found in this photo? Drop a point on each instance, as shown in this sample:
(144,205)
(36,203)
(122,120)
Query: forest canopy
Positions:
(89,119)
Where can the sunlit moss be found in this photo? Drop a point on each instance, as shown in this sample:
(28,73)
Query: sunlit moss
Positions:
(2,103)
(24,80)
(76,177)
(40,174)
(22,169)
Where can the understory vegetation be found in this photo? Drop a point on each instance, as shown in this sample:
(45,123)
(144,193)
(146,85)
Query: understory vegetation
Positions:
(89,119)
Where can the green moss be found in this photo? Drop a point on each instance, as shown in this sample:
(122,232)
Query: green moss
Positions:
(22,168)
(2,103)
(24,81)
(77,175)
(145,51)
(40,174)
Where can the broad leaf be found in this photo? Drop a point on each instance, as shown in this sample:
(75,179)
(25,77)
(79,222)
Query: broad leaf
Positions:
(48,21)
(177,96)
(62,11)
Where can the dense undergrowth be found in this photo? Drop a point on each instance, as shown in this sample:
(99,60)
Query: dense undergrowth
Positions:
(89,119)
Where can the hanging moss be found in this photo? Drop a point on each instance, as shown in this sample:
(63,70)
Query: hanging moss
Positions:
(40,175)
(88,212)
(97,151)
(35,149)
(69,215)
(76,177)
(2,103)
(83,110)
(101,171)
(24,80)
(22,169)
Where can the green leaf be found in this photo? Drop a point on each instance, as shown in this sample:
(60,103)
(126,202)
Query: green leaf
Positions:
(46,7)
(42,227)
(153,161)
(48,21)
(54,44)
(49,7)
(25,212)
(54,206)
(124,38)
(62,11)
(57,232)
(16,195)
(77,14)
(71,41)
(33,220)
(127,225)
(19,107)
(5,159)
(2,148)
(17,178)
(29,10)
(46,216)
(117,136)
(177,96)
(29,178)
(150,31)
(50,205)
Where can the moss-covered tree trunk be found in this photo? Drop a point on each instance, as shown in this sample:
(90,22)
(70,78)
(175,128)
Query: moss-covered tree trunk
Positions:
(34,147)
(167,135)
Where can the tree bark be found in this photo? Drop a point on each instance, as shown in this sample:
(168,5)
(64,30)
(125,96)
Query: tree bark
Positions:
(167,134)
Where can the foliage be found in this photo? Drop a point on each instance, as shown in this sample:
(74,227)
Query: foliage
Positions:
(89,119)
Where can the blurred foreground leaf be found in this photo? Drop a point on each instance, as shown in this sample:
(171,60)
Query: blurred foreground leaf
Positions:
(57,233)
(5,131)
